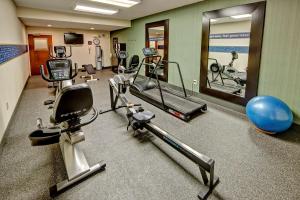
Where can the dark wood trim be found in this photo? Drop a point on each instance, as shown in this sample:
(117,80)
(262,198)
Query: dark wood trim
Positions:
(165,24)
(256,38)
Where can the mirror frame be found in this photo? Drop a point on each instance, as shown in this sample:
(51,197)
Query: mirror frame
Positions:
(165,24)
(256,38)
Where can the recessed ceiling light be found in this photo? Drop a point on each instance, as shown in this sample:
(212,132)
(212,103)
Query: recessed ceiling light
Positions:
(92,28)
(97,10)
(49,25)
(213,20)
(241,16)
(121,3)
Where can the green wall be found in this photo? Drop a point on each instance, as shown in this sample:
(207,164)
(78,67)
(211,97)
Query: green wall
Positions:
(280,64)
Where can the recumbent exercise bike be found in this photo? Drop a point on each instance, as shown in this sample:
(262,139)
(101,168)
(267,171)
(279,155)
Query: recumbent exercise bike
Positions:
(72,103)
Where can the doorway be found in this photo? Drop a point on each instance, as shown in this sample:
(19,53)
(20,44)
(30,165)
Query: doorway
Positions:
(39,47)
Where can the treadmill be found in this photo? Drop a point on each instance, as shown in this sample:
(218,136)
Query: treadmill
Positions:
(161,95)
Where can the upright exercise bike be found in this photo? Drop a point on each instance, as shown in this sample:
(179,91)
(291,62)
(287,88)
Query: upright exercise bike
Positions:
(128,71)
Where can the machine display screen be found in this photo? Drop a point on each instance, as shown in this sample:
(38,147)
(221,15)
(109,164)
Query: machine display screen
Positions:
(73,38)
(149,51)
(59,69)
(60,65)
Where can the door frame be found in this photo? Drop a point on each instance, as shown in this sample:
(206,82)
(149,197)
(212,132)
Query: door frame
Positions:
(31,46)
(165,24)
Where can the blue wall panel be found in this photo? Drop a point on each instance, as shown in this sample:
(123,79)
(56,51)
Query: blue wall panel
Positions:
(8,52)
(230,35)
(228,49)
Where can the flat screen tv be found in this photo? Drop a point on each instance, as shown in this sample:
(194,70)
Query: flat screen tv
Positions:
(73,38)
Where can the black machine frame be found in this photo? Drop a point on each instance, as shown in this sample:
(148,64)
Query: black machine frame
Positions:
(161,104)
(205,164)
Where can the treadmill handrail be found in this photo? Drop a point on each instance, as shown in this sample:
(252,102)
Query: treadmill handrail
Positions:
(180,74)
(156,66)
(76,71)
(158,82)
(144,64)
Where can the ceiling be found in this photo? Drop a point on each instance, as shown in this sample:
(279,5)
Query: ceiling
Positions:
(61,13)
(69,25)
(145,8)
(229,20)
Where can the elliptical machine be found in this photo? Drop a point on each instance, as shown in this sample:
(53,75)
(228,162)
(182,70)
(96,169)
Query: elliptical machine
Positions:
(54,65)
(72,103)
(128,71)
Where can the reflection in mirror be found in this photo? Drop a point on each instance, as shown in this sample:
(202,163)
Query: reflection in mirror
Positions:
(229,41)
(156,40)
(157,36)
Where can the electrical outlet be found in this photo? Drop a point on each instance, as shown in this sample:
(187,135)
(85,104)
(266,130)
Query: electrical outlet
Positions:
(7,106)
(195,82)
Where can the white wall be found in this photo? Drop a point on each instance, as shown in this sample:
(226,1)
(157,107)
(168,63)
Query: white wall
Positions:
(81,53)
(14,73)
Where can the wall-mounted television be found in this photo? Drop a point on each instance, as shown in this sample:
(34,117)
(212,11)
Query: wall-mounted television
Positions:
(73,38)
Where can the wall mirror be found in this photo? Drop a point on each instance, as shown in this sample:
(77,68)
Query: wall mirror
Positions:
(230,52)
(157,36)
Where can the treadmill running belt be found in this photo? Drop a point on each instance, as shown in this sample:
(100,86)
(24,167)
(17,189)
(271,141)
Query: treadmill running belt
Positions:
(173,101)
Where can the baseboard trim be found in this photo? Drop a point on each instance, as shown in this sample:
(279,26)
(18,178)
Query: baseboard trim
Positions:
(3,139)
(107,67)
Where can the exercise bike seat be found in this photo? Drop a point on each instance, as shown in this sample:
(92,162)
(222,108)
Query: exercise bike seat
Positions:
(66,106)
(143,117)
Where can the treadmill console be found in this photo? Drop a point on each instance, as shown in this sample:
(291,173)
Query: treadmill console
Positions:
(148,52)
(60,69)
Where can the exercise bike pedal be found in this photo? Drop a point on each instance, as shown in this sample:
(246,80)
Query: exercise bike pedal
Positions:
(48,102)
(141,109)
(45,136)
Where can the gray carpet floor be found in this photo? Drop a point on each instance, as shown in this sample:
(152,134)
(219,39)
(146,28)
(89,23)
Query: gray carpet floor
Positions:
(250,165)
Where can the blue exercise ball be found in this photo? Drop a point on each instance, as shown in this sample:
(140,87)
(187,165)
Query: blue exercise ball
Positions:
(269,114)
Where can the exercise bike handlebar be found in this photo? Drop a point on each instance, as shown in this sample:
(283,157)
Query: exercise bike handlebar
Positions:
(42,71)
(76,71)
(70,55)
(94,117)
